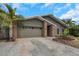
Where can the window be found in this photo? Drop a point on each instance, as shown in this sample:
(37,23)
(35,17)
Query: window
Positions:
(57,30)
(30,27)
(0,28)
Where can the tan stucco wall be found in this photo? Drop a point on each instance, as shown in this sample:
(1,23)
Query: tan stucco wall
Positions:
(60,30)
(33,22)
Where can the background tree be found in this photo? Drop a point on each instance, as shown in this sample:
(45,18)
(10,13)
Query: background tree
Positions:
(69,22)
(73,28)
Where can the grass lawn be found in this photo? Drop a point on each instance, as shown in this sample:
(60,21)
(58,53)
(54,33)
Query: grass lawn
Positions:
(75,43)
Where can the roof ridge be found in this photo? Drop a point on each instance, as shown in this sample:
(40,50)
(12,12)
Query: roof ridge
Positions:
(39,15)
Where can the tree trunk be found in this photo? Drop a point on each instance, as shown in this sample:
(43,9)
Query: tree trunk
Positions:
(7,33)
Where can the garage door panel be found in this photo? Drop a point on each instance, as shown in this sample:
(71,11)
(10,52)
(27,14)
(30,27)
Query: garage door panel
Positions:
(29,32)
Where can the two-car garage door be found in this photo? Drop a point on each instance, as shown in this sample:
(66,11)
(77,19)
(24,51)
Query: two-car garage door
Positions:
(29,32)
(30,28)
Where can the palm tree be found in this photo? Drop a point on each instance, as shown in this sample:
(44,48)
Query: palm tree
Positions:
(10,15)
(69,22)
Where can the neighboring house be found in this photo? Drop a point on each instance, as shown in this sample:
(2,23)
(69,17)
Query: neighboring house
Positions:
(38,26)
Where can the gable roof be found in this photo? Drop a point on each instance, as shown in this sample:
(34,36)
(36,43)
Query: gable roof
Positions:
(37,17)
(42,18)
(55,19)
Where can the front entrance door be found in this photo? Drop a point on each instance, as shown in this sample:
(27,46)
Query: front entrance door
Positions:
(49,30)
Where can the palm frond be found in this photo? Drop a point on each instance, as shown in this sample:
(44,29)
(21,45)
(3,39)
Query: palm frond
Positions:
(11,11)
(14,10)
(2,11)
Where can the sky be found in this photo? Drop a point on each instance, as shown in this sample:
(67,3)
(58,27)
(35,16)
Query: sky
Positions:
(60,10)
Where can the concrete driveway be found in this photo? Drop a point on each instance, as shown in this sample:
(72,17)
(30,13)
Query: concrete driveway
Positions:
(36,47)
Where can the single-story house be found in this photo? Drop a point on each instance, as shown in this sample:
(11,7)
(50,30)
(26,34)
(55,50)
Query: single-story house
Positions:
(38,26)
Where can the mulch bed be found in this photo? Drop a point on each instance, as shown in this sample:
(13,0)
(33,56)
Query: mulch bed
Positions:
(66,40)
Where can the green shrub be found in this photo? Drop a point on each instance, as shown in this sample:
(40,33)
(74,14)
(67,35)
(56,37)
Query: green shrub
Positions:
(66,32)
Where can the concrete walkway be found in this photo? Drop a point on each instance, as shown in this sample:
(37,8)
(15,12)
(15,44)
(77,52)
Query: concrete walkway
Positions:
(36,47)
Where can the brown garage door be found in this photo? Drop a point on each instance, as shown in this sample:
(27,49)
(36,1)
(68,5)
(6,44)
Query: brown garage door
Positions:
(29,32)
